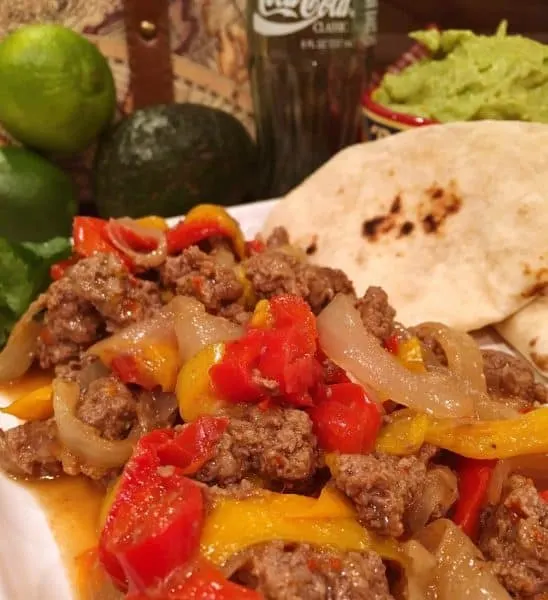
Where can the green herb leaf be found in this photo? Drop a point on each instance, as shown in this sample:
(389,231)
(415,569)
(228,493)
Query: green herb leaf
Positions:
(24,273)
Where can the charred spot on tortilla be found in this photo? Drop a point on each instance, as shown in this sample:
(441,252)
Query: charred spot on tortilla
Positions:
(396,205)
(373,228)
(313,246)
(533,342)
(406,229)
(440,202)
(540,287)
(541,360)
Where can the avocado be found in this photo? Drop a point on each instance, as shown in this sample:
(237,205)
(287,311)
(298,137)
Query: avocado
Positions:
(165,159)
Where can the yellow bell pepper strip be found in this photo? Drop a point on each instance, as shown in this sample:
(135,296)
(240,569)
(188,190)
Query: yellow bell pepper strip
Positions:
(234,525)
(404,435)
(523,435)
(410,355)
(248,298)
(150,366)
(202,222)
(262,316)
(153,222)
(108,500)
(195,394)
(34,406)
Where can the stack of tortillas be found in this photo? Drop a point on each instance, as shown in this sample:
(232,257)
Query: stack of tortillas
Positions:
(451,220)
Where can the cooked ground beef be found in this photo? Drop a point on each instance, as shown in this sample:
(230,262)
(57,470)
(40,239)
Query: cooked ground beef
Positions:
(109,406)
(96,296)
(276,444)
(433,349)
(511,377)
(194,273)
(155,410)
(31,449)
(376,313)
(292,572)
(273,272)
(514,535)
(382,488)
(279,237)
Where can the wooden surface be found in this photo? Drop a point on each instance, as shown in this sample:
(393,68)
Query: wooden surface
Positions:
(397,17)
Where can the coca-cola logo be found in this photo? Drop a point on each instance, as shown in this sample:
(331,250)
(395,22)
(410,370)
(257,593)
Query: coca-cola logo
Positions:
(284,17)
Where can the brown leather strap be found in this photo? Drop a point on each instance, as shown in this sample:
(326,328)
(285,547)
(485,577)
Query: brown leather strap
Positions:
(147,34)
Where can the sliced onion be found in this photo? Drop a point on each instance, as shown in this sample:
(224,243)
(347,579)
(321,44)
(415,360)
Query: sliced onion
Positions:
(145,260)
(440,493)
(346,341)
(157,329)
(534,466)
(463,354)
(460,571)
(18,354)
(82,439)
(195,328)
(464,359)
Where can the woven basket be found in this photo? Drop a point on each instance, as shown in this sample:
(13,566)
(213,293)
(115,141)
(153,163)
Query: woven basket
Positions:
(208,46)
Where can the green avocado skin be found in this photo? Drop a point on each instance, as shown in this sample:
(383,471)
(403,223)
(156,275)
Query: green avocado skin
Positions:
(165,159)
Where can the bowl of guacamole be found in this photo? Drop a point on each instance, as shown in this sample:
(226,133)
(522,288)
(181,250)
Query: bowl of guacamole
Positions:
(462,77)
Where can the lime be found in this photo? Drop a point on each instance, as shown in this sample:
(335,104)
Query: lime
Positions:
(37,200)
(57,90)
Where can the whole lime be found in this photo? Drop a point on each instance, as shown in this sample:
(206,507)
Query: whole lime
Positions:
(37,200)
(57,92)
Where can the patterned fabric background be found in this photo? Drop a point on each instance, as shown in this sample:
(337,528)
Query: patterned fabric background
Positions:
(208,43)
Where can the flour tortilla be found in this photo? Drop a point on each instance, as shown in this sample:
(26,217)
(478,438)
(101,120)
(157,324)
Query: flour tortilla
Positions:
(456,217)
(527,332)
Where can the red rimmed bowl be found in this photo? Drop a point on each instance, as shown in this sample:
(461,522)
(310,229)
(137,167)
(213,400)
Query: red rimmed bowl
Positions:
(381,121)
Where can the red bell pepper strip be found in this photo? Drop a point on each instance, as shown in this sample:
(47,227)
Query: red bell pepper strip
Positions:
(473,478)
(544,495)
(60,268)
(204,582)
(194,444)
(154,523)
(202,222)
(345,419)
(89,237)
(140,242)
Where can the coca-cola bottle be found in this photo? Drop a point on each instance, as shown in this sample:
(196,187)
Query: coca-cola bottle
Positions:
(309,62)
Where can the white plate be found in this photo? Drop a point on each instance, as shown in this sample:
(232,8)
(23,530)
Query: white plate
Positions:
(30,562)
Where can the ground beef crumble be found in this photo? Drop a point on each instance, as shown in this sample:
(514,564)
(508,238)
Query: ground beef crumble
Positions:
(96,296)
(376,313)
(195,273)
(509,376)
(514,536)
(275,272)
(277,444)
(296,571)
(382,487)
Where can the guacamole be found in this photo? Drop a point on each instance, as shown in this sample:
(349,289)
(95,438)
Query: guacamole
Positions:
(469,77)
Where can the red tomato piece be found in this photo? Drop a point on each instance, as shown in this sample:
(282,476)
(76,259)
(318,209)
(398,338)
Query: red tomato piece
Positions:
(194,445)
(254,247)
(544,495)
(345,419)
(293,312)
(155,521)
(203,582)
